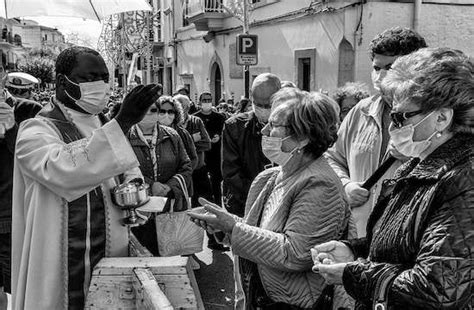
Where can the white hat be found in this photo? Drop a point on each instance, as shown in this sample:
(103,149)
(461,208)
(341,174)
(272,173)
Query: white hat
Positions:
(20,80)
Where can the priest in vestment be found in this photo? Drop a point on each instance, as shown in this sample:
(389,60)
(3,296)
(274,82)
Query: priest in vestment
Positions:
(67,160)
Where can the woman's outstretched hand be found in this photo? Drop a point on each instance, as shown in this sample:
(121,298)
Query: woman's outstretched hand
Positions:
(214,218)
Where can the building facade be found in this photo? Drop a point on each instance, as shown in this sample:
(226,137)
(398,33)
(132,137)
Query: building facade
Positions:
(319,45)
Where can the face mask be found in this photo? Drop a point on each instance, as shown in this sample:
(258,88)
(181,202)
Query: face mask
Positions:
(271,147)
(94,95)
(166,119)
(262,114)
(206,106)
(149,120)
(402,139)
(377,77)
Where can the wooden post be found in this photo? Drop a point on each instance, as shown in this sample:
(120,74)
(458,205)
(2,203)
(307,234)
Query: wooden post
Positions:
(148,296)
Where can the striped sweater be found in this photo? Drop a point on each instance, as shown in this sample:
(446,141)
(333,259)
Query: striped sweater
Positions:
(306,209)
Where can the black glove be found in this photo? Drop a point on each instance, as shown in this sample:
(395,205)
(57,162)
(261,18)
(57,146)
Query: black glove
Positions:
(136,104)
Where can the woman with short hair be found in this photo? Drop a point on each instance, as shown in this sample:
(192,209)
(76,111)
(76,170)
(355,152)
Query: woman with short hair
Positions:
(288,208)
(420,235)
(170,113)
(162,156)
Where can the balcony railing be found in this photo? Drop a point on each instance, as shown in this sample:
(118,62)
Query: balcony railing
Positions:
(196,7)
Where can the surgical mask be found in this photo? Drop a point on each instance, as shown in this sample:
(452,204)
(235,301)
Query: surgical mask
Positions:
(166,119)
(402,139)
(149,120)
(377,77)
(206,106)
(94,95)
(271,147)
(263,114)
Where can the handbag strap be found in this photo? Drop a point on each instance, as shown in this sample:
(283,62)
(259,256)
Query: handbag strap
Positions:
(184,188)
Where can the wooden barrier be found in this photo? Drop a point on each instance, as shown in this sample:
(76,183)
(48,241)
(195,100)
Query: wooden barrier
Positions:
(143,282)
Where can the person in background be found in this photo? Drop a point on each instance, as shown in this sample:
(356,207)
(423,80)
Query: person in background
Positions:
(223,108)
(66,163)
(288,208)
(214,123)
(349,95)
(243,106)
(170,113)
(13,112)
(162,155)
(363,142)
(419,249)
(183,90)
(242,156)
(202,142)
(287,84)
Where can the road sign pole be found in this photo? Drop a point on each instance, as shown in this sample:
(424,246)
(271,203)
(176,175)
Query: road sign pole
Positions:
(246,68)
(247,81)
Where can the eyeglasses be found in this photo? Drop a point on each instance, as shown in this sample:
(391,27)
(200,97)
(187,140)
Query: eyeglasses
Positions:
(206,100)
(170,112)
(399,117)
(272,125)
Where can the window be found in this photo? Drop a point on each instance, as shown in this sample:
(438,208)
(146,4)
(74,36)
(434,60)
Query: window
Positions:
(305,65)
(305,73)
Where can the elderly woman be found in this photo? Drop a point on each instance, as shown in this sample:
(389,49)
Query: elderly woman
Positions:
(288,208)
(161,154)
(349,95)
(420,236)
(170,113)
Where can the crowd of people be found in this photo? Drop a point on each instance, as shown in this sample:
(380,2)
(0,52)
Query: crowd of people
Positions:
(280,178)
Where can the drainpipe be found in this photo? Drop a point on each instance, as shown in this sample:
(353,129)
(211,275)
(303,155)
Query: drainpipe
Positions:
(416,15)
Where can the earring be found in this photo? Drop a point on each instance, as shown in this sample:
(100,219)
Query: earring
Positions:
(439,134)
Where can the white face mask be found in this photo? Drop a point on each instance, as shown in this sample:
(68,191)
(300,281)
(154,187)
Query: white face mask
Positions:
(149,120)
(166,119)
(262,114)
(206,106)
(94,96)
(402,139)
(271,147)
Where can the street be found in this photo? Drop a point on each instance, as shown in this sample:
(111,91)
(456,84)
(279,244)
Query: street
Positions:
(215,278)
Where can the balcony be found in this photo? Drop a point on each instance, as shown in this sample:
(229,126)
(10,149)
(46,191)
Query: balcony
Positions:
(207,15)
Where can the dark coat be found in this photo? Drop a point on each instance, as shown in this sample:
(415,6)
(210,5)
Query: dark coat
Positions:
(172,159)
(195,125)
(243,159)
(421,234)
(188,145)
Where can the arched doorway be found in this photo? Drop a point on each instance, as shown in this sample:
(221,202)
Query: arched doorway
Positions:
(216,82)
(346,63)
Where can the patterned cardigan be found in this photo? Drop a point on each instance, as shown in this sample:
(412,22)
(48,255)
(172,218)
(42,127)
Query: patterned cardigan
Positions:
(311,208)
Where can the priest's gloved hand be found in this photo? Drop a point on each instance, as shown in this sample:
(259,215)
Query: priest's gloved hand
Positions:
(136,104)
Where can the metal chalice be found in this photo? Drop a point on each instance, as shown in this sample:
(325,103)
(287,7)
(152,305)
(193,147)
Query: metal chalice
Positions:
(129,196)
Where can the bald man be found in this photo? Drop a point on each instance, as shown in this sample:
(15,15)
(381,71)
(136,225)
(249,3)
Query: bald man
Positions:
(242,152)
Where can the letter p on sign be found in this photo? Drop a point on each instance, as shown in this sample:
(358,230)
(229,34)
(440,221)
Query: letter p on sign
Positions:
(247,50)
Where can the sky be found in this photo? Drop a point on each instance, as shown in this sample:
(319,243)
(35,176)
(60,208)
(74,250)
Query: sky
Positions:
(88,30)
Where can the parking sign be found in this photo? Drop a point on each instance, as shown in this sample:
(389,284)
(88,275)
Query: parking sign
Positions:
(247,50)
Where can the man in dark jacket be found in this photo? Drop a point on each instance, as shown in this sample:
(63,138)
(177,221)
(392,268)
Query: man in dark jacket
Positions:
(202,142)
(12,113)
(242,154)
(214,123)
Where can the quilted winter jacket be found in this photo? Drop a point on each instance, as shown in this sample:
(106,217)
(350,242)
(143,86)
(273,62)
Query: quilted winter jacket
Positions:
(421,235)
